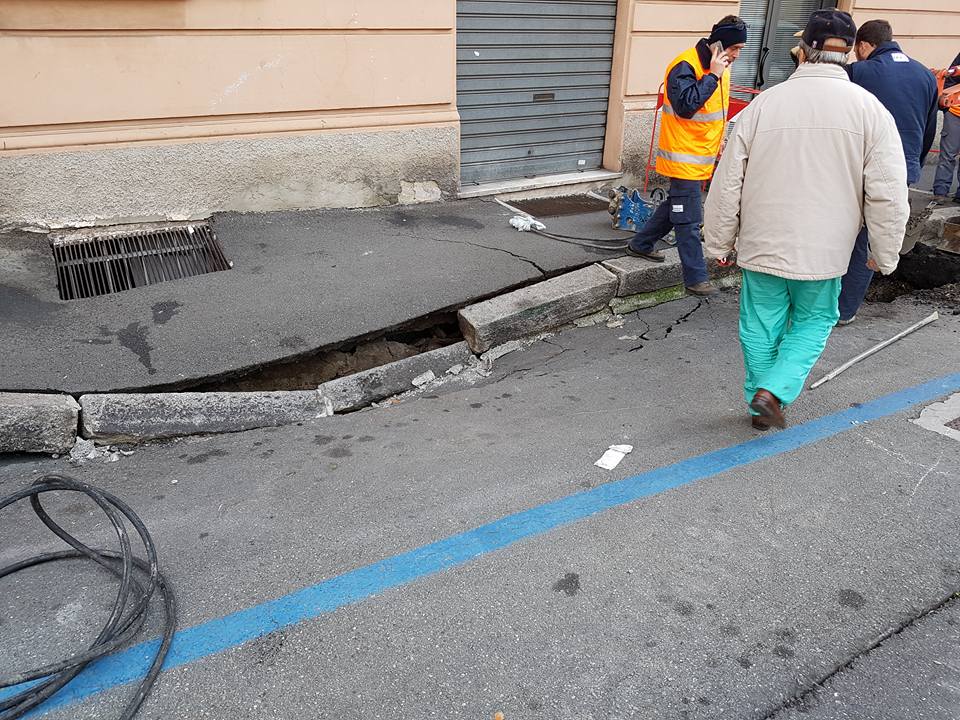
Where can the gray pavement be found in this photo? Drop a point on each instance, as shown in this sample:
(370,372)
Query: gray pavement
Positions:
(300,281)
(724,598)
(913,676)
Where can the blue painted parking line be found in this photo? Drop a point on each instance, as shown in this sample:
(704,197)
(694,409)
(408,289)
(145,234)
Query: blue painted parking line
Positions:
(220,634)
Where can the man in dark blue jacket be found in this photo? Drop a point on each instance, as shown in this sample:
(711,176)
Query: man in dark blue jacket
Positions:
(908,90)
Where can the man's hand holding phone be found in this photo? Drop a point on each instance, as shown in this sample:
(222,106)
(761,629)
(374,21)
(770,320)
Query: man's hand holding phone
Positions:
(719,62)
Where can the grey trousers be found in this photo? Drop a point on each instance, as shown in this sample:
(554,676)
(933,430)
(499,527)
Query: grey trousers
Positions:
(949,149)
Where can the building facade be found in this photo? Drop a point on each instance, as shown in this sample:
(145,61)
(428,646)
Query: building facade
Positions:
(173,109)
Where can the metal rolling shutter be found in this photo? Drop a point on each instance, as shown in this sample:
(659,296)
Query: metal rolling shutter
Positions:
(533,80)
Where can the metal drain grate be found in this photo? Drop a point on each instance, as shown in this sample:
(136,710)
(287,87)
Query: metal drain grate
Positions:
(558,206)
(105,264)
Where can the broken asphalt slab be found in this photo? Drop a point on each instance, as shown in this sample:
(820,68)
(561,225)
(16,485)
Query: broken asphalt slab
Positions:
(300,281)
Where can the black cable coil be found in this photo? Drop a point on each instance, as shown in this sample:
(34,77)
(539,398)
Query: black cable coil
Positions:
(129,610)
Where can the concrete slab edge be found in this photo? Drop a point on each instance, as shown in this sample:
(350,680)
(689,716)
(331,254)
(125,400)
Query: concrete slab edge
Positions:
(37,423)
(51,424)
(363,388)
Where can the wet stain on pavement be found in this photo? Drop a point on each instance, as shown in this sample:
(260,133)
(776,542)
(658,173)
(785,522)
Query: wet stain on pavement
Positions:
(684,608)
(456,221)
(267,649)
(476,406)
(730,630)
(851,599)
(569,584)
(744,662)
(164,311)
(402,220)
(366,438)
(782,651)
(134,338)
(338,452)
(203,457)
(322,440)
(22,307)
(204,535)
(787,635)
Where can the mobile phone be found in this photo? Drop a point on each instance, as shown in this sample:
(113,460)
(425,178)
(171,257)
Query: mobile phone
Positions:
(718,46)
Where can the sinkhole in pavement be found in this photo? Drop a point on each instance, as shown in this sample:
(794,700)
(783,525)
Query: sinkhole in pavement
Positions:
(306,371)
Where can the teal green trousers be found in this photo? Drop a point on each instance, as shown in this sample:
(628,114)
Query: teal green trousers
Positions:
(784,326)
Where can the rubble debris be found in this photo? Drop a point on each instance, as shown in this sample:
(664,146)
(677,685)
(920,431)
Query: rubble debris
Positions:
(425,379)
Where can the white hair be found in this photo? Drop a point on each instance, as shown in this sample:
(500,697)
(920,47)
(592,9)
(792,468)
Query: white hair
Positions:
(830,57)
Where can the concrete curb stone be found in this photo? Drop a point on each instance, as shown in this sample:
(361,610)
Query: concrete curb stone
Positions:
(133,417)
(543,306)
(37,423)
(636,275)
(363,388)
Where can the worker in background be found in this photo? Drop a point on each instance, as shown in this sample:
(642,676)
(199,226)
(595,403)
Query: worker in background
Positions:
(949,148)
(908,90)
(805,164)
(695,105)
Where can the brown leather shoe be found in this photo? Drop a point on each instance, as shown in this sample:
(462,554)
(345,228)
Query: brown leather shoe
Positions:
(768,406)
(759,423)
(653,256)
(702,289)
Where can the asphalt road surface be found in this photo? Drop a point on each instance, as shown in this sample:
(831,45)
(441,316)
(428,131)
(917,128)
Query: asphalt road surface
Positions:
(458,554)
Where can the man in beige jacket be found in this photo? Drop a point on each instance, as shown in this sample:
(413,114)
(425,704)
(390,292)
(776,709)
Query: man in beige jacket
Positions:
(807,164)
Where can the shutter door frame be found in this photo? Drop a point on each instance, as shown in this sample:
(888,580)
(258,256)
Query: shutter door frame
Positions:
(533,86)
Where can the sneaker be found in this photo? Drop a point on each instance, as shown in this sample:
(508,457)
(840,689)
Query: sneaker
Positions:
(841,323)
(652,255)
(703,289)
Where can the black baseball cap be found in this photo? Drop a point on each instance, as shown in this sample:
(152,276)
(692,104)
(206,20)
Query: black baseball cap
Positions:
(825,25)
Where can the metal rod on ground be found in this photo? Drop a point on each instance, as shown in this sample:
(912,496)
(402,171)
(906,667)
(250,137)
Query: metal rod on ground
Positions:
(875,349)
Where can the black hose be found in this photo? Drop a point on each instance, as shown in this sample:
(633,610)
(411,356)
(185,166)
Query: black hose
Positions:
(129,609)
(612,244)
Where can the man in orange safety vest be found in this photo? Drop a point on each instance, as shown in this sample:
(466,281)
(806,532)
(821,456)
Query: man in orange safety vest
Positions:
(695,105)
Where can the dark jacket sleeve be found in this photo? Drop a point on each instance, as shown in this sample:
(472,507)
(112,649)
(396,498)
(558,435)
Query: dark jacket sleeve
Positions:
(686,93)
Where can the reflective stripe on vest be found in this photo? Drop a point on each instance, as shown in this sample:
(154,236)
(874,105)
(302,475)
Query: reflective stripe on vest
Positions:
(700,116)
(686,158)
(689,146)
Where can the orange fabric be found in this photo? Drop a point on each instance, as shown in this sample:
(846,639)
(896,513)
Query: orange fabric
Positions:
(688,148)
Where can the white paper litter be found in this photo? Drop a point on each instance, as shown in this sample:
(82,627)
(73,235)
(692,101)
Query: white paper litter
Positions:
(612,457)
(456,369)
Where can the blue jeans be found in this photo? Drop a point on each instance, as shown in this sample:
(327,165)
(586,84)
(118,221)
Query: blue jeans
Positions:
(949,148)
(682,211)
(853,288)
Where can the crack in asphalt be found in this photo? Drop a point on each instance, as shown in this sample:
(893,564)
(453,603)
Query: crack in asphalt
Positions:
(484,247)
(803,695)
(645,335)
